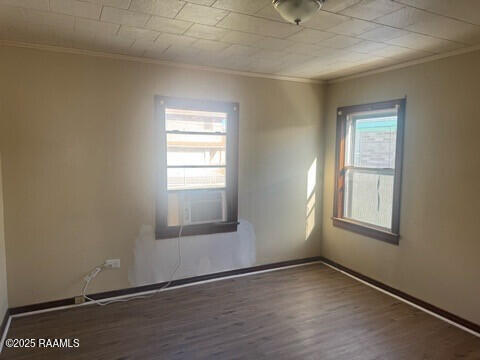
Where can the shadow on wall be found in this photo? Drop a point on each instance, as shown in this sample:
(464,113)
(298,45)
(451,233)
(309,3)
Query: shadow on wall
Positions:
(156,260)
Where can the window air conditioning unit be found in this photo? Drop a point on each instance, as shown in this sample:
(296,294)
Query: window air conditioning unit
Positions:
(204,207)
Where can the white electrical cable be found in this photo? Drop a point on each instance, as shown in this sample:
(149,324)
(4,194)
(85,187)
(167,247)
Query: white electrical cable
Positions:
(98,269)
(179,262)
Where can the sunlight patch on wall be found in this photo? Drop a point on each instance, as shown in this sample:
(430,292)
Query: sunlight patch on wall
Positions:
(310,206)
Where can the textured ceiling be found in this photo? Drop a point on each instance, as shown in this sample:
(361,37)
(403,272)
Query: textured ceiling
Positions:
(346,37)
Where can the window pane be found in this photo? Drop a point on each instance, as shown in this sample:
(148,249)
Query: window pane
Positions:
(372,140)
(187,149)
(369,198)
(197,121)
(185,208)
(195,178)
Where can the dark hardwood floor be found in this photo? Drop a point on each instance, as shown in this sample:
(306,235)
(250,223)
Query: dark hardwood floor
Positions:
(309,312)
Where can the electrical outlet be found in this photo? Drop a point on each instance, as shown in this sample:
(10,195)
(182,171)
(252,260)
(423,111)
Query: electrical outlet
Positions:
(112,263)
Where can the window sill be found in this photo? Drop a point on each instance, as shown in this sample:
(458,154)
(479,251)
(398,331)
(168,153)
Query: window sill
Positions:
(198,229)
(366,230)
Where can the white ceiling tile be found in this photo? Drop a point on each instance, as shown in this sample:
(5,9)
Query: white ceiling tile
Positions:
(28,4)
(355,57)
(154,54)
(172,39)
(382,33)
(311,36)
(299,72)
(264,61)
(353,27)
(331,43)
(110,44)
(323,20)
(310,50)
(391,51)
(340,42)
(404,17)
(206,32)
(202,2)
(243,6)
(201,14)
(410,54)
(178,53)
(137,49)
(371,9)
(294,61)
(121,4)
(210,45)
(131,32)
(258,26)
(424,42)
(76,8)
(466,10)
(431,24)
(140,46)
(238,63)
(270,43)
(165,8)
(167,25)
(344,69)
(239,50)
(134,51)
(157,53)
(97,41)
(260,66)
(367,46)
(123,17)
(338,5)
(88,26)
(446,28)
(270,55)
(241,38)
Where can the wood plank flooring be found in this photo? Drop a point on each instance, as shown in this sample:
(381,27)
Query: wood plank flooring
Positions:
(308,312)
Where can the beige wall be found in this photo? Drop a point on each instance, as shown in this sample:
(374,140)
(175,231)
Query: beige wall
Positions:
(78,150)
(437,259)
(78,144)
(3,265)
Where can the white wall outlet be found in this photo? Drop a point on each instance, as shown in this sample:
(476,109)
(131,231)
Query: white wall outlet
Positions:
(112,263)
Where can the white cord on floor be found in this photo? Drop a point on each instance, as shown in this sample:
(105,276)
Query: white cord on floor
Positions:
(98,269)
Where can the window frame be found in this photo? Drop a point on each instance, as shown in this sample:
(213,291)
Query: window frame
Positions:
(338,218)
(162,230)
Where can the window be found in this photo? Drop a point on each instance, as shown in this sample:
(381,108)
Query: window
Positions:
(369,167)
(198,167)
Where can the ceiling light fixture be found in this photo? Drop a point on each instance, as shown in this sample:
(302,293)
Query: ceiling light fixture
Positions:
(297,11)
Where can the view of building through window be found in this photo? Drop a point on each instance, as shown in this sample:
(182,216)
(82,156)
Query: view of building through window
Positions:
(196,149)
(196,160)
(370,167)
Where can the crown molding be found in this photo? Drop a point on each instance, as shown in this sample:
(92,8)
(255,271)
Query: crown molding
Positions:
(402,65)
(66,50)
(406,64)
